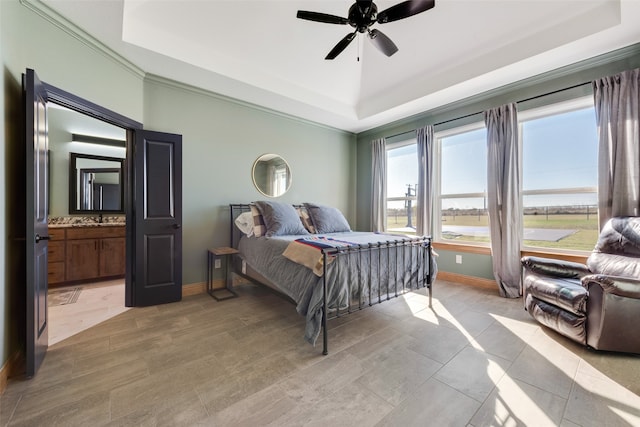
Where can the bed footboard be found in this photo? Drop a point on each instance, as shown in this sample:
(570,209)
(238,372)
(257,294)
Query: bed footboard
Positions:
(358,276)
(376,273)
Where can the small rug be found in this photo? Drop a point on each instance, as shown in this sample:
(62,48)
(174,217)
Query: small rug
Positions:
(64,296)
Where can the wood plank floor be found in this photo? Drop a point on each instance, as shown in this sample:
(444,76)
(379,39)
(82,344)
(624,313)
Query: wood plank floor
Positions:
(475,359)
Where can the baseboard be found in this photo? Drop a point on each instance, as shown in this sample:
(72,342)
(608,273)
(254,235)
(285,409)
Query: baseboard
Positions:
(201,288)
(479,282)
(194,289)
(8,370)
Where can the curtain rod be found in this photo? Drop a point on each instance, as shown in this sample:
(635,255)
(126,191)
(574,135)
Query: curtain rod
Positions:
(481,112)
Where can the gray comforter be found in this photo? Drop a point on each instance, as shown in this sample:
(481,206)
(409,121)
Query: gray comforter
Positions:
(352,279)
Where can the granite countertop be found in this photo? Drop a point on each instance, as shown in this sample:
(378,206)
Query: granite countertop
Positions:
(86,221)
(88,224)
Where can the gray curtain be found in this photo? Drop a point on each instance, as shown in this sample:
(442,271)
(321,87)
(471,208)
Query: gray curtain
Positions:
(379,185)
(425,180)
(618,115)
(504,196)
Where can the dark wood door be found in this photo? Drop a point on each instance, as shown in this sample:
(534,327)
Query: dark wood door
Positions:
(37,176)
(157,201)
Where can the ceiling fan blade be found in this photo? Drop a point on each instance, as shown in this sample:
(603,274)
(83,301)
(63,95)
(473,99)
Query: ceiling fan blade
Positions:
(321,17)
(382,42)
(405,10)
(342,45)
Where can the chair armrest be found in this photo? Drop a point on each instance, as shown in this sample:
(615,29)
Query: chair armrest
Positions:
(554,267)
(622,286)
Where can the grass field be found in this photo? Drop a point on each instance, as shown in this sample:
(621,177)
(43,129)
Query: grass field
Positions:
(583,239)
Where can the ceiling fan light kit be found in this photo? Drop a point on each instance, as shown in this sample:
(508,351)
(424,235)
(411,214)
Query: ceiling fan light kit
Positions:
(362,15)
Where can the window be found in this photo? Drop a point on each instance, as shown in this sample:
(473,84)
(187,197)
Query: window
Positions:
(559,175)
(559,147)
(462,161)
(402,179)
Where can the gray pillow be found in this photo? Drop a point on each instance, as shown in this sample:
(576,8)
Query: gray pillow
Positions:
(327,219)
(280,219)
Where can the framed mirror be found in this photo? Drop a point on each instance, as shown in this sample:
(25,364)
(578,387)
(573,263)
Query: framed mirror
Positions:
(96,184)
(271,175)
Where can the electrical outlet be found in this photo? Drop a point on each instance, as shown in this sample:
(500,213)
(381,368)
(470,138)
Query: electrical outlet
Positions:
(217,264)
(458,259)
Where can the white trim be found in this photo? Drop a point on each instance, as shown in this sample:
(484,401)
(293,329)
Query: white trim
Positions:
(458,130)
(576,104)
(53,17)
(403,143)
(174,84)
(463,195)
(560,190)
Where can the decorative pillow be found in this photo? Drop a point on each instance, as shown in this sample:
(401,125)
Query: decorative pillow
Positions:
(244,222)
(303,213)
(280,219)
(259,227)
(327,219)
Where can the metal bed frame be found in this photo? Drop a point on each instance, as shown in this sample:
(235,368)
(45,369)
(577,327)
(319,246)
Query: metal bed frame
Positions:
(421,246)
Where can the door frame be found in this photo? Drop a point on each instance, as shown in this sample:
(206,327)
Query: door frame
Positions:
(83,106)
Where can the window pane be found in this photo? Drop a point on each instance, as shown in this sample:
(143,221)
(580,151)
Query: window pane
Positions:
(402,179)
(463,172)
(465,220)
(560,180)
(560,151)
(464,163)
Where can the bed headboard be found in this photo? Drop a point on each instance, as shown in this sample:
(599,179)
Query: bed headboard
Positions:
(236,209)
(236,234)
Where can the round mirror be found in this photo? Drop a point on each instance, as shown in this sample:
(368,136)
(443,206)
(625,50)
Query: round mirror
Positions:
(271,175)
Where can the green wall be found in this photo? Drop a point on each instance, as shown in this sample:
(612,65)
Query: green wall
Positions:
(221,141)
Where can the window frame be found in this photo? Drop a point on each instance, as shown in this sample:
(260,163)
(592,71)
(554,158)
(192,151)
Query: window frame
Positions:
(548,110)
(410,140)
(438,196)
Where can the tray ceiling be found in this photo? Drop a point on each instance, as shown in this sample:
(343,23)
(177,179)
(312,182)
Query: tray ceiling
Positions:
(258,52)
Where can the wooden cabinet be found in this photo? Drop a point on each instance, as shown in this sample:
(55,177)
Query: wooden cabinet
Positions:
(112,256)
(56,256)
(82,259)
(87,253)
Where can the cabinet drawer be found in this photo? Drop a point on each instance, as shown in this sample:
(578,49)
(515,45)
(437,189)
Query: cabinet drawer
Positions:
(95,232)
(55,272)
(56,234)
(56,251)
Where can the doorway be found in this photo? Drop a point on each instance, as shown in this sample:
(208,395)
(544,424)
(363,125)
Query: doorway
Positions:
(75,306)
(152,183)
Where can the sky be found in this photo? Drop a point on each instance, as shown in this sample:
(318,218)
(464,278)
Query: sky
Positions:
(558,151)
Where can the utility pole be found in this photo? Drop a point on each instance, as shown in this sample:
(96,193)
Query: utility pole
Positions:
(407,203)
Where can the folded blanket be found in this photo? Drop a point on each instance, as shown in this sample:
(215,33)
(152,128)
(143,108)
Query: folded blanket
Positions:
(308,252)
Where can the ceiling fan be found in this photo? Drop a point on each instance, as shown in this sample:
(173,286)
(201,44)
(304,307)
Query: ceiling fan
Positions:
(362,15)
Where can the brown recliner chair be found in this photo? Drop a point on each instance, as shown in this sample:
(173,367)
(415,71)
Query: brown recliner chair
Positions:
(597,304)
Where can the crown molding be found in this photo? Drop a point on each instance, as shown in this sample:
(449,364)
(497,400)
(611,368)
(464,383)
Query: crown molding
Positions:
(81,35)
(164,81)
(581,72)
